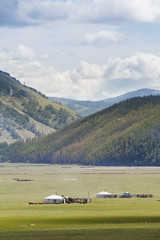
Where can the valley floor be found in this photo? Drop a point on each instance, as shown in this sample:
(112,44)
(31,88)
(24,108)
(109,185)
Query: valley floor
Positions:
(135,218)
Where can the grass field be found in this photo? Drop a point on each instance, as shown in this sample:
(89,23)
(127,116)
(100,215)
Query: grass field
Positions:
(136,218)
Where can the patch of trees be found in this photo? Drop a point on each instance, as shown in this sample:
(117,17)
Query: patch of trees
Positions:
(47,115)
(11,113)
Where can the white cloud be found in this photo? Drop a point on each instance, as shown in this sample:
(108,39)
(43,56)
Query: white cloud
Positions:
(119,11)
(87,81)
(23,52)
(138,71)
(100,38)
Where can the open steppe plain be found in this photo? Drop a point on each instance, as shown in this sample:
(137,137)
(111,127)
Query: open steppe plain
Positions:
(135,218)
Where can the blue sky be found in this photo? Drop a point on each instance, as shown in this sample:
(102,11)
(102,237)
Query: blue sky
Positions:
(82,49)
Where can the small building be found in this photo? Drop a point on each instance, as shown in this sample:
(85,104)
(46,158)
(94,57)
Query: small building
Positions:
(54,199)
(103,194)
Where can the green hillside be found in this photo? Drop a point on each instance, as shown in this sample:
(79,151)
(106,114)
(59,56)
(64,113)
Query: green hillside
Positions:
(25,113)
(127,133)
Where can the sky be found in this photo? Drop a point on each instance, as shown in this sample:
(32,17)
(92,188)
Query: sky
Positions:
(81,49)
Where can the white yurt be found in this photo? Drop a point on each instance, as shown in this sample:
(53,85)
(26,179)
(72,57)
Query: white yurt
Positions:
(103,194)
(54,199)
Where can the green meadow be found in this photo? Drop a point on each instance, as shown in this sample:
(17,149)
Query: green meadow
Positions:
(135,218)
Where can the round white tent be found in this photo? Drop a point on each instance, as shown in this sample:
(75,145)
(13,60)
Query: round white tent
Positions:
(103,194)
(54,199)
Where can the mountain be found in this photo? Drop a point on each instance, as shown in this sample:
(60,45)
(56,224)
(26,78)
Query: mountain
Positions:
(84,108)
(25,113)
(127,133)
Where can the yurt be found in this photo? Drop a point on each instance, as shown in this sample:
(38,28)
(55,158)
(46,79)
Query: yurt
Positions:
(103,194)
(127,193)
(54,199)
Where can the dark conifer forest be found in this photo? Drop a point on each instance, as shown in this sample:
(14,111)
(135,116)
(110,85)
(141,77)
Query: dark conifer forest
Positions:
(127,133)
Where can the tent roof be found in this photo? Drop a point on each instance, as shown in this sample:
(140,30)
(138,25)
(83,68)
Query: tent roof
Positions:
(104,193)
(54,197)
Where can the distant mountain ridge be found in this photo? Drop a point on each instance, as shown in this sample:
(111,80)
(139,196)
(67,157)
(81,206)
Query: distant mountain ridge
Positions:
(125,134)
(26,113)
(84,108)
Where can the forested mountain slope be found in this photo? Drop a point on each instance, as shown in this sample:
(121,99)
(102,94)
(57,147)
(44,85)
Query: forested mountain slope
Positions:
(25,113)
(84,108)
(127,133)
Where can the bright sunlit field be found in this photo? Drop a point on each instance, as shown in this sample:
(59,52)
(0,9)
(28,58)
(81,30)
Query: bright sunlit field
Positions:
(101,219)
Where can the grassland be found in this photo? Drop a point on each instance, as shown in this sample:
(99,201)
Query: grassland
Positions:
(102,219)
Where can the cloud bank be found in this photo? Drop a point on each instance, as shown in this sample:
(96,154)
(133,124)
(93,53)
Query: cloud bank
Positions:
(18,13)
(86,81)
